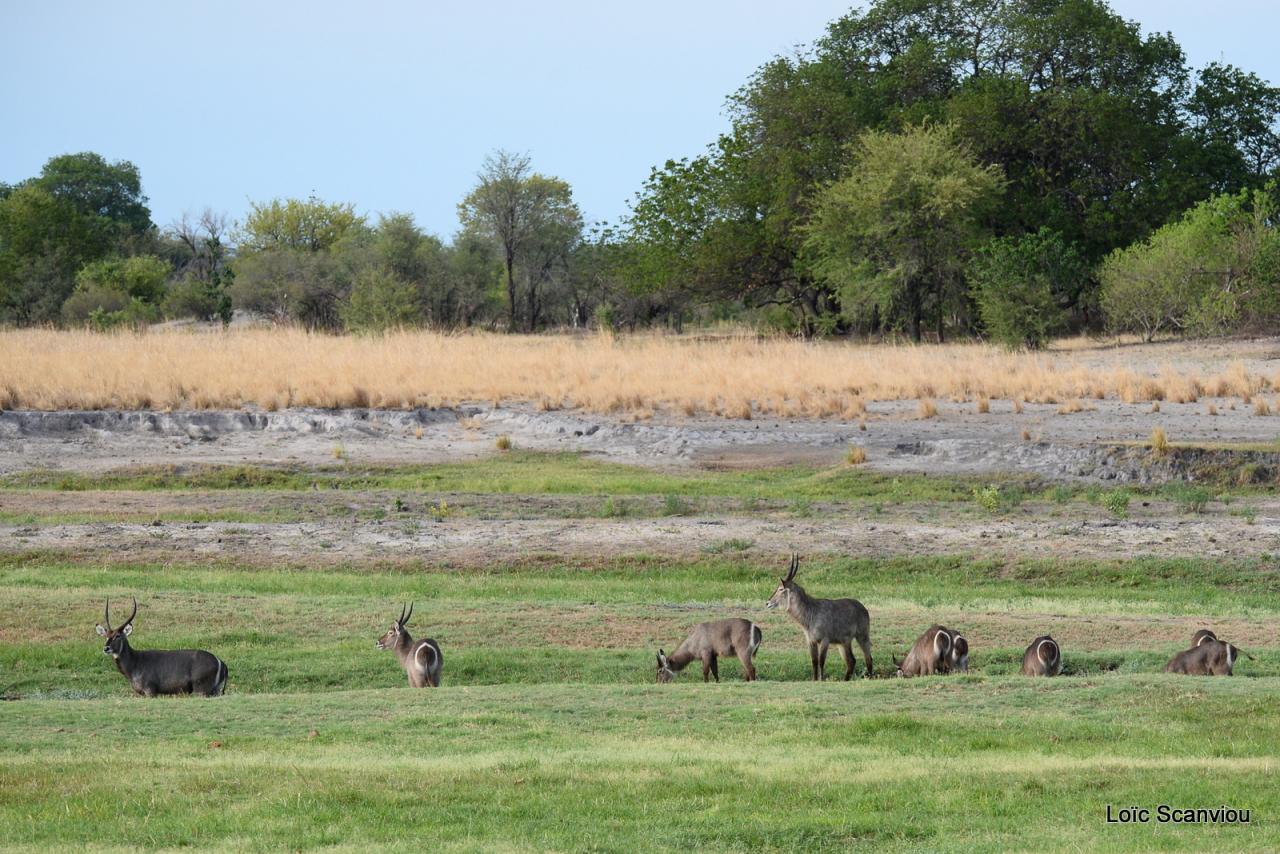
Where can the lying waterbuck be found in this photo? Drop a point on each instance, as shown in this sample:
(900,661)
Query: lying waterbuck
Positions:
(707,642)
(1209,657)
(825,621)
(154,671)
(1042,658)
(421,660)
(931,653)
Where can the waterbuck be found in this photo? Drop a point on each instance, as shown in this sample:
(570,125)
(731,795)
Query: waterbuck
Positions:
(154,671)
(825,621)
(931,653)
(1042,658)
(421,660)
(707,642)
(1207,658)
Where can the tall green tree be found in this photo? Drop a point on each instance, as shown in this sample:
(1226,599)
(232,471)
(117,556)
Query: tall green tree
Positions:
(892,236)
(80,209)
(534,223)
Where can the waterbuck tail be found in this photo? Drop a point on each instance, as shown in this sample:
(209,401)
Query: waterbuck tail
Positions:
(756,637)
(220,682)
(429,649)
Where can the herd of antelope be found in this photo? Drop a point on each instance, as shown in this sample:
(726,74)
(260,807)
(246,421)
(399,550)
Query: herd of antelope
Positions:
(842,622)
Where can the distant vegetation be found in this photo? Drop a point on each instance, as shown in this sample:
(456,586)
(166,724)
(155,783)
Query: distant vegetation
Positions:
(1014,169)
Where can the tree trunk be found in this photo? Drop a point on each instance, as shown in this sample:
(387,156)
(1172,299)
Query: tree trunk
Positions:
(511,294)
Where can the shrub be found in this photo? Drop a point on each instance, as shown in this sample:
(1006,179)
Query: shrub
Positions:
(987,497)
(1159,442)
(503,443)
(856,455)
(380,300)
(1117,502)
(1022,285)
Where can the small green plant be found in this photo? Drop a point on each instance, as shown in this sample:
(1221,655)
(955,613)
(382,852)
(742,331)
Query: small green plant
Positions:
(1192,499)
(987,497)
(1117,502)
(802,507)
(1247,513)
(674,505)
(1061,494)
(503,443)
(339,452)
(400,506)
(613,509)
(441,511)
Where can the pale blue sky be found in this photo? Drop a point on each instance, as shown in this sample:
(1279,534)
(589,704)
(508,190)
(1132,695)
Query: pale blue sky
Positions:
(393,105)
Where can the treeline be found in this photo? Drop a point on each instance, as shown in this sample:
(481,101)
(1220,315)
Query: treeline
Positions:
(1008,168)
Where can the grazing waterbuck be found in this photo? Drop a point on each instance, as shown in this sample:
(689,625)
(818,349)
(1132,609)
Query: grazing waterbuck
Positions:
(422,660)
(825,622)
(1210,657)
(930,654)
(1042,658)
(152,672)
(707,642)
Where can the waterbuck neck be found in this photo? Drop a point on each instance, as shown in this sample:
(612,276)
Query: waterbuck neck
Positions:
(125,661)
(800,605)
(404,646)
(680,659)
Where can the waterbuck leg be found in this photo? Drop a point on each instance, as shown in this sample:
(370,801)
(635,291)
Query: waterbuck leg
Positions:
(715,667)
(706,669)
(846,649)
(813,657)
(748,669)
(865,643)
(822,658)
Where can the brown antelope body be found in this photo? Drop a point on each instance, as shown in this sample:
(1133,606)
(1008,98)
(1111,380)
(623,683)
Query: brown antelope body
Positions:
(825,622)
(1042,658)
(152,672)
(707,642)
(930,654)
(422,660)
(1208,658)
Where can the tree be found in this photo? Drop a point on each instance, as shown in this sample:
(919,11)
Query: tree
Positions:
(1236,119)
(380,301)
(1023,285)
(198,251)
(310,225)
(532,219)
(118,290)
(80,209)
(892,236)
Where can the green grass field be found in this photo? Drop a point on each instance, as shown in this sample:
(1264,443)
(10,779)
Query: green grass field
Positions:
(549,733)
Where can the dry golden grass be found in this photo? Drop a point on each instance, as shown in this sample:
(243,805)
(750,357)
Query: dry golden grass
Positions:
(1212,410)
(503,443)
(856,456)
(984,405)
(736,376)
(1026,435)
(926,408)
(1159,442)
(1261,407)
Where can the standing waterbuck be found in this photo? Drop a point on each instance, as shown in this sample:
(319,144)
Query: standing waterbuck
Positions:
(154,671)
(421,660)
(707,642)
(1042,658)
(1209,657)
(825,621)
(931,653)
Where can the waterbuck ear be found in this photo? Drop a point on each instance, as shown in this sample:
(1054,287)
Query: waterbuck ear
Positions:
(101,630)
(128,629)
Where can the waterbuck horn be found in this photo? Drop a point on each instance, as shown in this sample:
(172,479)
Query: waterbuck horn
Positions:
(106,616)
(131,616)
(795,564)
(404,618)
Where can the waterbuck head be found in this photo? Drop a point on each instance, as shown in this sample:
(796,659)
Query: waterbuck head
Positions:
(116,642)
(781,597)
(665,671)
(392,638)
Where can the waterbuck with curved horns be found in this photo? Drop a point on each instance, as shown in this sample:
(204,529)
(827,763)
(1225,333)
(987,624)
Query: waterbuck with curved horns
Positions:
(421,660)
(825,622)
(156,671)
